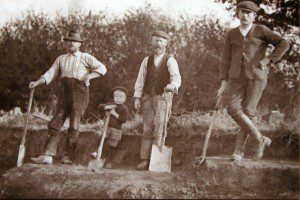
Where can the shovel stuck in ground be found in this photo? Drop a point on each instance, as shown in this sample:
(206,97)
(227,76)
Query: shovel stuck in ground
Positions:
(161,155)
(97,164)
(21,154)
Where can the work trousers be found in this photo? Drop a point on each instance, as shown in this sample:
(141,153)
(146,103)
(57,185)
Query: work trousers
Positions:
(243,95)
(153,110)
(73,101)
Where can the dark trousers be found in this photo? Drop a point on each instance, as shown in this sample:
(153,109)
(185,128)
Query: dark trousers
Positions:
(73,101)
(243,95)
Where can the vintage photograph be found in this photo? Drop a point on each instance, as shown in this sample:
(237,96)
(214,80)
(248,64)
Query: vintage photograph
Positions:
(149,99)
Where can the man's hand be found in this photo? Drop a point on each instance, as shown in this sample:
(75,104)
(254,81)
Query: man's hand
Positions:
(86,80)
(222,88)
(137,104)
(263,64)
(34,84)
(170,88)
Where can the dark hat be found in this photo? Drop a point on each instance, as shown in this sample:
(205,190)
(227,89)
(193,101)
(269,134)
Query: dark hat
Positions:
(121,88)
(248,5)
(162,34)
(73,36)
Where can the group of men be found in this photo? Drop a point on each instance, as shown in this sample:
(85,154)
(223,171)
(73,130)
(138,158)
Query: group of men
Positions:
(244,71)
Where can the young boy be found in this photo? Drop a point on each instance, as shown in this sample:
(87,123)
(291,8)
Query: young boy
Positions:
(118,116)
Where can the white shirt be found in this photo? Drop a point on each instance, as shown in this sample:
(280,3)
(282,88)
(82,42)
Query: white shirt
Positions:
(172,68)
(245,31)
(75,65)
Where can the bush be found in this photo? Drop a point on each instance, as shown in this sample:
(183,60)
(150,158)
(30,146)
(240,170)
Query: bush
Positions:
(30,45)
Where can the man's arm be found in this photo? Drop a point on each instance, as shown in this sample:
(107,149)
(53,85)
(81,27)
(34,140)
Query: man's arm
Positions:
(225,58)
(97,68)
(175,77)
(140,81)
(281,46)
(225,65)
(139,84)
(48,76)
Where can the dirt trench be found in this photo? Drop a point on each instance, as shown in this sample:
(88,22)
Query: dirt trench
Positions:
(277,176)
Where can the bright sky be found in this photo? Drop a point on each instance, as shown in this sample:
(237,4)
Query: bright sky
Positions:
(11,9)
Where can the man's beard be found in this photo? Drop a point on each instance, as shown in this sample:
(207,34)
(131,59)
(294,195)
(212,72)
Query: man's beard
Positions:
(159,50)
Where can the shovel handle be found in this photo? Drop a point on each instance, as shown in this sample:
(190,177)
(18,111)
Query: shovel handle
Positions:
(27,116)
(100,147)
(165,121)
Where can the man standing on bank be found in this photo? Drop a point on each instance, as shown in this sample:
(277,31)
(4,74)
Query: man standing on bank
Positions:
(158,73)
(244,72)
(76,69)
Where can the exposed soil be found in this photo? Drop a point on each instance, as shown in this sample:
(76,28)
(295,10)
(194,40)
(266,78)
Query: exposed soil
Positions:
(277,176)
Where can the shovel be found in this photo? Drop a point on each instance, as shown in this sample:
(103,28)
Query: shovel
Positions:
(21,154)
(160,154)
(207,137)
(97,164)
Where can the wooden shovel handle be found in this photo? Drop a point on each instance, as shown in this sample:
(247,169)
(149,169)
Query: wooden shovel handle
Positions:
(100,147)
(165,122)
(27,117)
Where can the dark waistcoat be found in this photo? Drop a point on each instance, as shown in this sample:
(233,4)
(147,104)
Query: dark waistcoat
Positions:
(157,78)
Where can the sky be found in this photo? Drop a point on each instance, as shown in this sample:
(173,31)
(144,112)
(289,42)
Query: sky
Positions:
(11,9)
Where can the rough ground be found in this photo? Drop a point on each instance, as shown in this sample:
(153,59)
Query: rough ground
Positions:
(277,176)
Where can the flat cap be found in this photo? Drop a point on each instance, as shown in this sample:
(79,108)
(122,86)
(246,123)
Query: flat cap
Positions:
(248,5)
(162,34)
(121,88)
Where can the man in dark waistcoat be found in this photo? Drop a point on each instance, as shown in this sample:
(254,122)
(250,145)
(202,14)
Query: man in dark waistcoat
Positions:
(76,69)
(158,72)
(244,72)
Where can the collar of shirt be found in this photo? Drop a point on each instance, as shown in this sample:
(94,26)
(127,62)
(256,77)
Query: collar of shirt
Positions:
(157,59)
(245,31)
(76,54)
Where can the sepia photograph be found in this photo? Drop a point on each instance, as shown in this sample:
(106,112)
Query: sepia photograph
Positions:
(149,99)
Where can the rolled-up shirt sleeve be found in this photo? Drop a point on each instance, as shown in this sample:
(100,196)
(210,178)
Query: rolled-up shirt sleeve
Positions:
(140,81)
(95,65)
(174,73)
(52,72)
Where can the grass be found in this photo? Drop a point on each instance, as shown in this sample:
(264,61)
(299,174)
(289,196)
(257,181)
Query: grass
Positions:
(197,120)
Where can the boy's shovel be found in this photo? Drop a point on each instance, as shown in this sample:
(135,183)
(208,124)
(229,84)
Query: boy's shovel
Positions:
(97,164)
(21,154)
(160,154)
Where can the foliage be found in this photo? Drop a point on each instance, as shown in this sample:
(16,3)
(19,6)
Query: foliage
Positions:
(29,46)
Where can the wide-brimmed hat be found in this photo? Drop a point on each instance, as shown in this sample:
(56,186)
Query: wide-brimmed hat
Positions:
(248,5)
(73,36)
(121,88)
(162,34)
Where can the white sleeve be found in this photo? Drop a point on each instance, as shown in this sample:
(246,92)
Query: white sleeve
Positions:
(174,73)
(140,81)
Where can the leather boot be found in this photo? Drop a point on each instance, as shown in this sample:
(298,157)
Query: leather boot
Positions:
(265,142)
(143,165)
(246,124)
(44,159)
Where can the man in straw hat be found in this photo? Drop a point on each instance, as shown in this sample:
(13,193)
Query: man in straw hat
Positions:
(158,72)
(76,69)
(244,72)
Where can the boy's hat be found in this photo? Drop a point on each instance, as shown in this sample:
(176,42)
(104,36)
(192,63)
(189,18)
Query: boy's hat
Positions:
(123,89)
(248,5)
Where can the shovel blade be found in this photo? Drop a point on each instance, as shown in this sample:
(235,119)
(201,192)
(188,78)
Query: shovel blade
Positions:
(160,159)
(21,156)
(96,165)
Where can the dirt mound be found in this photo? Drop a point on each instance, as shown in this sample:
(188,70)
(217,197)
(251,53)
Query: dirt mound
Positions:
(217,178)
